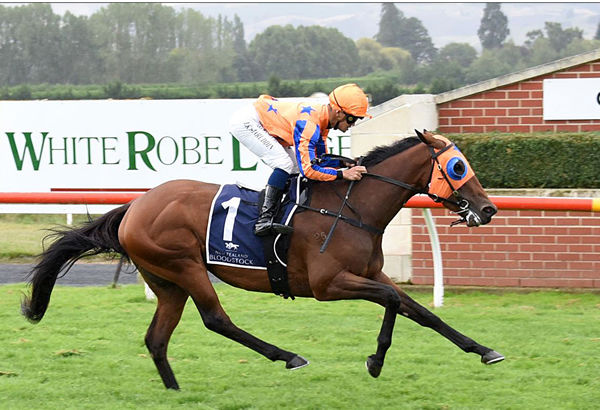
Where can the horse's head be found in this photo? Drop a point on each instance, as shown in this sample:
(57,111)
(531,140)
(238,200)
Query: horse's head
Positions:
(454,183)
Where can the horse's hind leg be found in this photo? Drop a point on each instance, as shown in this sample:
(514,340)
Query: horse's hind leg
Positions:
(171,301)
(384,341)
(215,319)
(413,310)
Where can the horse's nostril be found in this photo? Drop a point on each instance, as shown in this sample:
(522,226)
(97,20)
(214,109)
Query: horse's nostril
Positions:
(489,211)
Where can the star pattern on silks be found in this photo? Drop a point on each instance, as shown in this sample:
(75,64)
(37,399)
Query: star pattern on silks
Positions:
(271,108)
(307,110)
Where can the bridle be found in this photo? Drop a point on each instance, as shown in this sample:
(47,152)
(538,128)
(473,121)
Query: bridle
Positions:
(457,199)
(463,205)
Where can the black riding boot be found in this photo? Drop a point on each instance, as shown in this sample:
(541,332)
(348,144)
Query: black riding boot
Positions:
(265,224)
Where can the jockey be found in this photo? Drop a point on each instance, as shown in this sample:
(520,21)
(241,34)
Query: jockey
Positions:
(288,136)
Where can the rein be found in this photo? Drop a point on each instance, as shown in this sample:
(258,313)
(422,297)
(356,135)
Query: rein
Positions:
(339,214)
(434,157)
(434,197)
(460,202)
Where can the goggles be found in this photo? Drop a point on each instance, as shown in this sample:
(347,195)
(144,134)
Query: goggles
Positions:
(351,119)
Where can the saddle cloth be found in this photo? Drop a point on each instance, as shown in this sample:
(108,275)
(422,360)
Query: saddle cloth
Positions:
(230,239)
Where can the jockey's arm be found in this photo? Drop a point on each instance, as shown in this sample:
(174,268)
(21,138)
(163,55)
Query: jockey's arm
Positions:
(308,145)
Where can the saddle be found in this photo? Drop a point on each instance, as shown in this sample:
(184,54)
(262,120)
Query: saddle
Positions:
(276,246)
(230,238)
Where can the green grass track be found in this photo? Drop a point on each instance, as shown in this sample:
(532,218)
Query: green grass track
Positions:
(88,353)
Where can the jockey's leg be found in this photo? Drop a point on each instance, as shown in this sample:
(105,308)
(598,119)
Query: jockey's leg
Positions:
(273,193)
(246,127)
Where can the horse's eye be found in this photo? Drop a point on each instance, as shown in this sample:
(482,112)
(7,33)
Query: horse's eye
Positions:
(456,168)
(459,168)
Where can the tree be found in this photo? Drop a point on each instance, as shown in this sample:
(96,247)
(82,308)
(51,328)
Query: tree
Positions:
(242,62)
(303,52)
(372,58)
(493,29)
(194,59)
(556,43)
(123,42)
(532,36)
(135,40)
(515,56)
(225,55)
(415,38)
(461,53)
(489,65)
(560,38)
(13,60)
(597,35)
(398,57)
(449,69)
(389,25)
(271,51)
(395,30)
(579,46)
(80,60)
(29,44)
(542,52)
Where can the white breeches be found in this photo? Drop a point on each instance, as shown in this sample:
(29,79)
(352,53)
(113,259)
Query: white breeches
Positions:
(246,127)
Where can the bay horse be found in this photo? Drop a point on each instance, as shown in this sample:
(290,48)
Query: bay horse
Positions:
(163,233)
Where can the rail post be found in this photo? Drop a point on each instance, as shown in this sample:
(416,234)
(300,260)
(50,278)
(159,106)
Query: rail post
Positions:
(438,270)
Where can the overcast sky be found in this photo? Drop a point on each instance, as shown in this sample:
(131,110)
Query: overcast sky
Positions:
(446,22)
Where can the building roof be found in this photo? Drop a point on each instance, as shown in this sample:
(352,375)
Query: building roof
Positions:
(518,76)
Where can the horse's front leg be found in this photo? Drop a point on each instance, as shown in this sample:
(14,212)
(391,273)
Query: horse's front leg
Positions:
(413,310)
(345,286)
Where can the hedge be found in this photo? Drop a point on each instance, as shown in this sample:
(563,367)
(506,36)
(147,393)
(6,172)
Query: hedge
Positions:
(379,86)
(541,160)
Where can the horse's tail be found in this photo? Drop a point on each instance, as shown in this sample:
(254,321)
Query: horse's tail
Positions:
(70,244)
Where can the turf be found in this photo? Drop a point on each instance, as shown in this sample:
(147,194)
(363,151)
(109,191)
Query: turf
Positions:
(88,352)
(21,235)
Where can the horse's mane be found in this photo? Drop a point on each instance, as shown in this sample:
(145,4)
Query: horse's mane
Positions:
(378,154)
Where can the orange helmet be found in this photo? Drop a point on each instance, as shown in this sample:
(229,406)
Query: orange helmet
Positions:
(350,99)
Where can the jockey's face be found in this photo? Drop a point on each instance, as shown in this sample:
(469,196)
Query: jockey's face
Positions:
(342,121)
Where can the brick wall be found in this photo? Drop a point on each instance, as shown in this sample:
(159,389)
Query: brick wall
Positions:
(518,248)
(513,108)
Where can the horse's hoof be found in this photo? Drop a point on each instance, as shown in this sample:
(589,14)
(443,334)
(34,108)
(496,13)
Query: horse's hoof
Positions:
(296,362)
(373,366)
(491,357)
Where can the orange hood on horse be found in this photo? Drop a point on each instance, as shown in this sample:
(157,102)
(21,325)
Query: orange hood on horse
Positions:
(455,166)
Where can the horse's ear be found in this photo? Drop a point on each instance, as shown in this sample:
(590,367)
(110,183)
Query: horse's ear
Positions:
(421,136)
(428,138)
